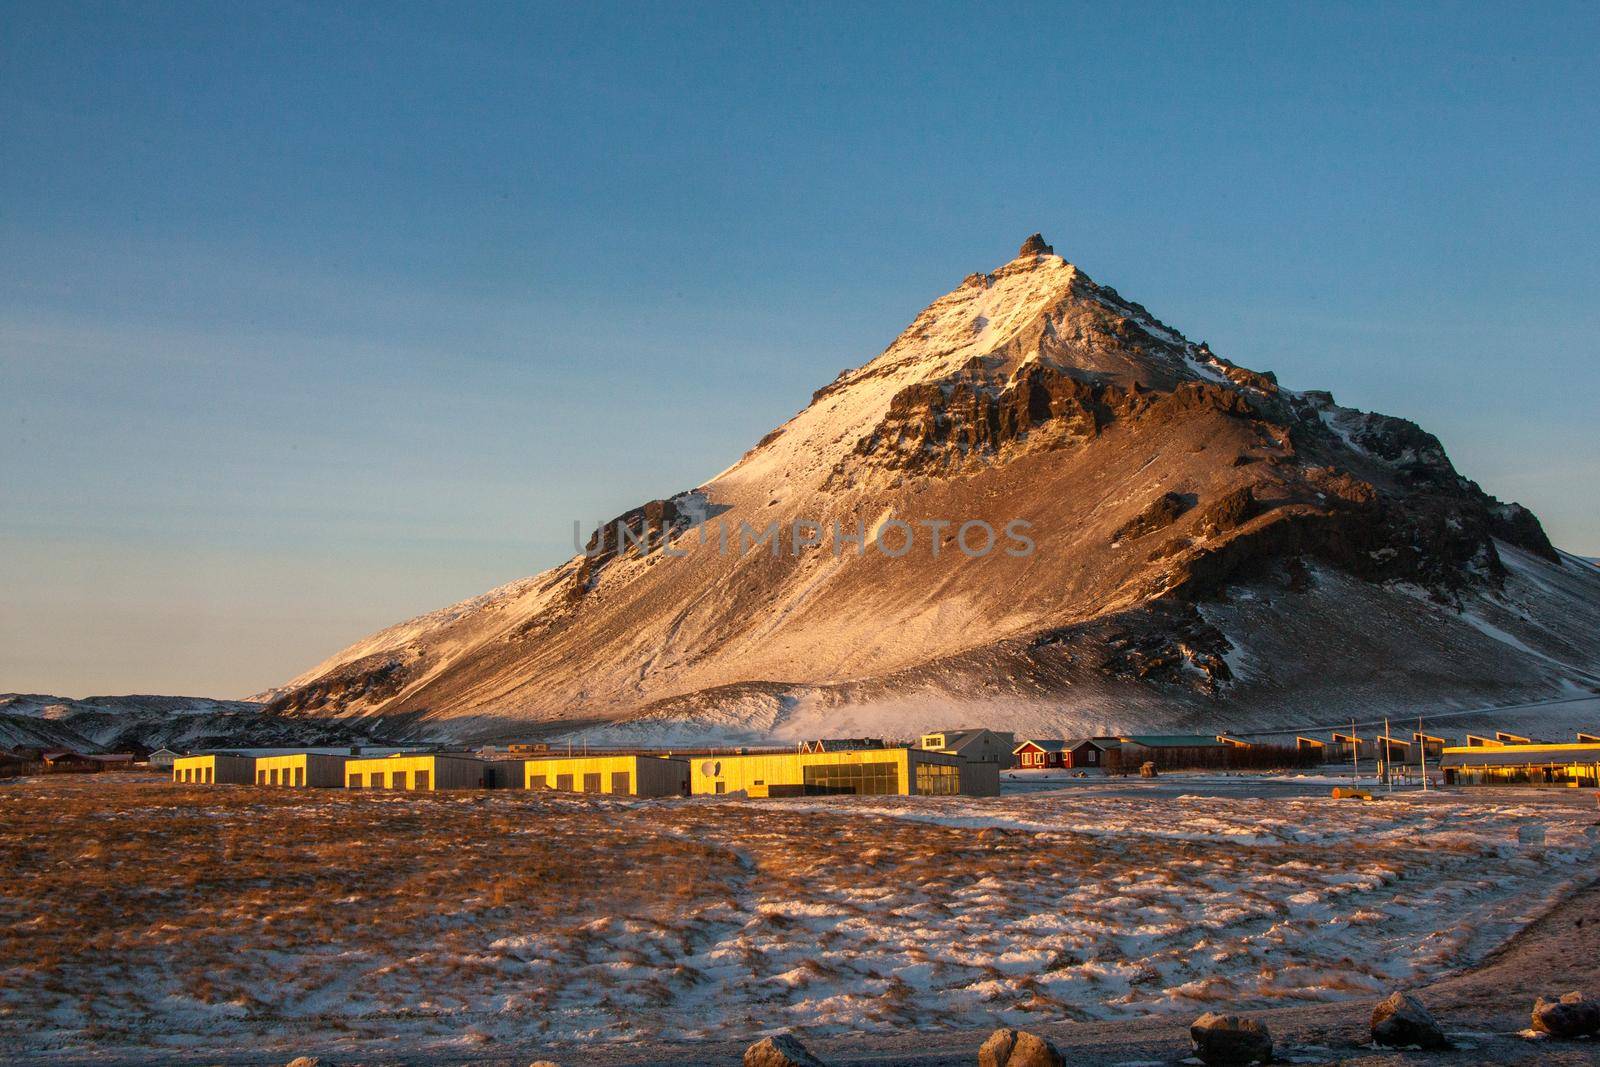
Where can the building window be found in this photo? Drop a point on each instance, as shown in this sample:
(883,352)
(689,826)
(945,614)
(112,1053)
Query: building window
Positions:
(619,782)
(722,787)
(1094,755)
(591,783)
(357,780)
(938,780)
(420,780)
(261,777)
(862,779)
(209,773)
(397,779)
(564,782)
(299,776)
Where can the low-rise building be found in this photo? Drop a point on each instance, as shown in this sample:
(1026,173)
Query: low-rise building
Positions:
(899,771)
(1040,753)
(215,768)
(1046,753)
(640,776)
(1576,765)
(161,759)
(430,771)
(1432,745)
(974,745)
(301,770)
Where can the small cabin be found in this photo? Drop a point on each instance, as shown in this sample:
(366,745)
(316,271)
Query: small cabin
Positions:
(214,769)
(301,770)
(639,776)
(426,773)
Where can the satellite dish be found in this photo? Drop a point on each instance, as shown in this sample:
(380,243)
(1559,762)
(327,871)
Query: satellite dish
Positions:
(711,768)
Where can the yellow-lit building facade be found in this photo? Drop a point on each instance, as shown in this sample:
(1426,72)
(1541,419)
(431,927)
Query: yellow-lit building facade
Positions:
(860,771)
(1571,765)
(301,770)
(641,776)
(425,773)
(214,770)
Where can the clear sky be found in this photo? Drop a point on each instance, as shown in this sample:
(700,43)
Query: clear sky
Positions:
(316,317)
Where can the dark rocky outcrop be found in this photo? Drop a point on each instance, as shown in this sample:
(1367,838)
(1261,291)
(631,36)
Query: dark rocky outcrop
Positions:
(1230,1040)
(364,681)
(1228,512)
(1570,1015)
(1158,514)
(1035,246)
(784,1050)
(1172,644)
(1019,1048)
(1403,1021)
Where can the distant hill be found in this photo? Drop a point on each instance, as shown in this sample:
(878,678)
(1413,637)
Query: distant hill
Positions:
(113,724)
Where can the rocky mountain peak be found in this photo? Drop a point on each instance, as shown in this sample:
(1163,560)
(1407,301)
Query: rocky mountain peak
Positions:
(1035,246)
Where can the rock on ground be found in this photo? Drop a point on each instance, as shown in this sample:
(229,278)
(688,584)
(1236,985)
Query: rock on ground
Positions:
(785,1050)
(1402,1020)
(1230,1041)
(1018,1048)
(307,1061)
(1573,1015)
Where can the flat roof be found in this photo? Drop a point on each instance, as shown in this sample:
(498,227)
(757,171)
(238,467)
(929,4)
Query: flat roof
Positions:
(1520,756)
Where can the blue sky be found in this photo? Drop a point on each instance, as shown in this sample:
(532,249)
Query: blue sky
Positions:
(313,318)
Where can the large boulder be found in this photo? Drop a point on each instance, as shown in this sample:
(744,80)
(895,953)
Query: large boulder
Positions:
(785,1050)
(1230,1041)
(307,1061)
(1402,1021)
(1018,1048)
(1573,1015)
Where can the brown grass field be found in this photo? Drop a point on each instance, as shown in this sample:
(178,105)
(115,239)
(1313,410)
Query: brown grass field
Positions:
(141,916)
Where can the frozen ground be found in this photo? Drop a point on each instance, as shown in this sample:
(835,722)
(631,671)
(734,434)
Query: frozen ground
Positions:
(148,918)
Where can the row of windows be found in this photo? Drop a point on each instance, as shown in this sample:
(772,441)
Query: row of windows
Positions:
(394,780)
(621,782)
(197,775)
(281,776)
(863,779)
(1584,774)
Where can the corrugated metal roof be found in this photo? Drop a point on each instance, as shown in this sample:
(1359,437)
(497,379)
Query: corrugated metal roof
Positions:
(1521,756)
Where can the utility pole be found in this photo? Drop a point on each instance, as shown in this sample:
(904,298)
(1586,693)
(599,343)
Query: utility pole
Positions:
(1422,753)
(1388,756)
(1355,751)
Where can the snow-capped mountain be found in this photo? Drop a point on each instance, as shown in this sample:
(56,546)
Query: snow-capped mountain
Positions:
(1179,542)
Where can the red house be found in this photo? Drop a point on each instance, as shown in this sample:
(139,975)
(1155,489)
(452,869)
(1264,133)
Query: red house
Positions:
(1044,755)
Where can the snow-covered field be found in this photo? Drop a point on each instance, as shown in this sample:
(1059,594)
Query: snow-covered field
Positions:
(143,915)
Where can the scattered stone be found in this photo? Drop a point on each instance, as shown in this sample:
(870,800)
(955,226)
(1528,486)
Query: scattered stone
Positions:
(544,1063)
(1018,1048)
(307,1061)
(1402,1021)
(785,1050)
(1230,1041)
(1035,246)
(1573,1015)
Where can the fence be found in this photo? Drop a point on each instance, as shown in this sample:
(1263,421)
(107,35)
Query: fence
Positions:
(1185,758)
